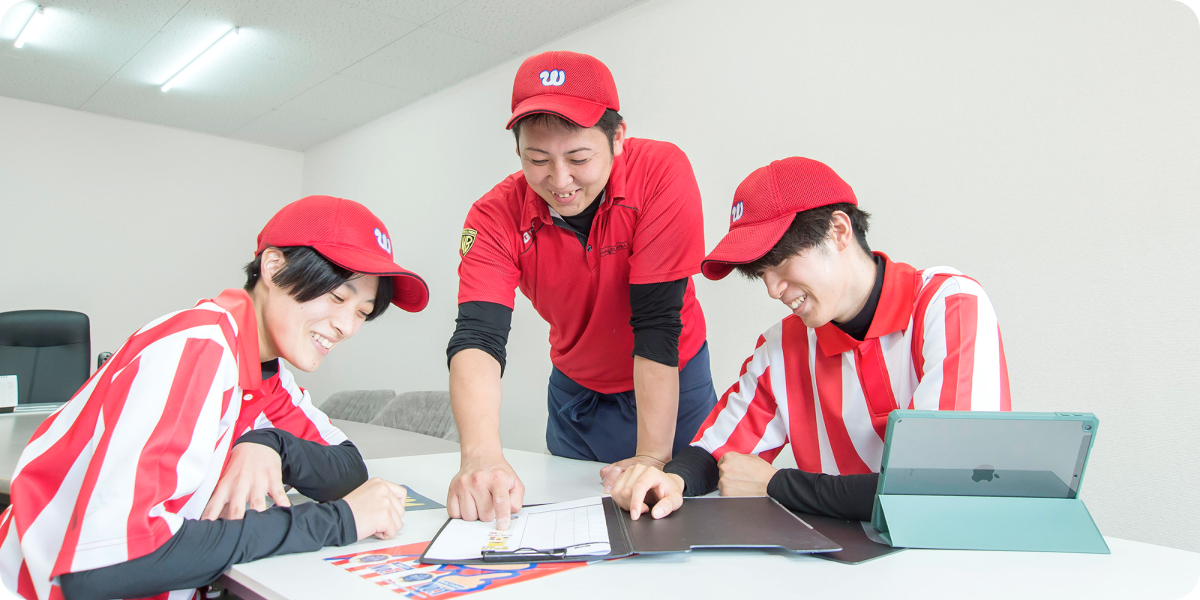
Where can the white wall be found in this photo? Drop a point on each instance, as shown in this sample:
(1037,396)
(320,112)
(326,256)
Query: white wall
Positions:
(1049,149)
(127,221)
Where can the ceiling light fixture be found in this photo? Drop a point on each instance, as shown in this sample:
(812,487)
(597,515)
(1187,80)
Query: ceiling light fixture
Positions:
(172,80)
(29,28)
(5,5)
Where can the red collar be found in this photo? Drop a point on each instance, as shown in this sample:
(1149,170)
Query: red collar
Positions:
(615,190)
(238,304)
(536,209)
(892,314)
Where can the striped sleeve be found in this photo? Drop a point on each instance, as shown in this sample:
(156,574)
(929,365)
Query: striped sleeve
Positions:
(747,419)
(957,351)
(293,411)
(112,477)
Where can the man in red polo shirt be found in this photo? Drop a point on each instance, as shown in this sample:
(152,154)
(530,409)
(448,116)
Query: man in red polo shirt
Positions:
(867,335)
(602,233)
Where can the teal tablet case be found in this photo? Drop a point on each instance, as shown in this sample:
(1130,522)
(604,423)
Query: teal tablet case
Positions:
(986,481)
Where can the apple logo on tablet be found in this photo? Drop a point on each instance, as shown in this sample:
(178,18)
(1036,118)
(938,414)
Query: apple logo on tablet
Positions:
(984,473)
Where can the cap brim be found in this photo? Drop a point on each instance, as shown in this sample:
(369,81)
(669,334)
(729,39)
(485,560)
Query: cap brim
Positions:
(744,245)
(583,113)
(409,291)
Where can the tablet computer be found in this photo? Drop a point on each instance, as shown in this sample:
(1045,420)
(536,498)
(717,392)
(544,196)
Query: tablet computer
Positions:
(962,453)
(986,480)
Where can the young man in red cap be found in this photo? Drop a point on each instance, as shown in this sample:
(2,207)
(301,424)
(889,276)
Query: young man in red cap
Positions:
(602,233)
(137,486)
(866,336)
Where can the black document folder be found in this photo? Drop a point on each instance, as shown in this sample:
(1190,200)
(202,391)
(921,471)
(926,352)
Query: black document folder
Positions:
(858,546)
(711,522)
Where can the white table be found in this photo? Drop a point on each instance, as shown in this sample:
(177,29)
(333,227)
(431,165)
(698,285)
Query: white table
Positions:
(1133,570)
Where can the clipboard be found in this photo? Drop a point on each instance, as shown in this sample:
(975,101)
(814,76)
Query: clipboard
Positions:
(700,523)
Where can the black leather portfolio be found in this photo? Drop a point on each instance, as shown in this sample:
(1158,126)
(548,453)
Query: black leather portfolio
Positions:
(707,522)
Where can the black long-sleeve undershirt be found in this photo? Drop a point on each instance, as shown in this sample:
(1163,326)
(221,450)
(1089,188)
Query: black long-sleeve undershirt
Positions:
(320,472)
(656,320)
(841,496)
(201,550)
(481,325)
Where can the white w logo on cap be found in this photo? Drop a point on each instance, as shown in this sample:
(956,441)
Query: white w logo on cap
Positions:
(382,239)
(555,77)
(738,209)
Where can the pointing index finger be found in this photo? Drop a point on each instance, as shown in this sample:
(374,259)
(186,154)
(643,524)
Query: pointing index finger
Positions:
(502,502)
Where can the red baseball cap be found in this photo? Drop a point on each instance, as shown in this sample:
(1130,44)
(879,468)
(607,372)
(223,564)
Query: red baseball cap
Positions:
(765,204)
(347,234)
(574,86)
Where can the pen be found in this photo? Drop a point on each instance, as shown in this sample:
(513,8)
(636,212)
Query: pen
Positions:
(524,553)
(532,553)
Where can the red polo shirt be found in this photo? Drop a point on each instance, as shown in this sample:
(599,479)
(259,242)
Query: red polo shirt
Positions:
(648,229)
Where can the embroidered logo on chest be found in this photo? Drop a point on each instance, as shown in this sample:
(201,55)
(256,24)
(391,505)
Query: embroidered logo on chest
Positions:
(613,249)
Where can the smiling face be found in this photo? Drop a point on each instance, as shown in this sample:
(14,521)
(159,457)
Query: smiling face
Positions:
(809,284)
(828,282)
(567,168)
(303,333)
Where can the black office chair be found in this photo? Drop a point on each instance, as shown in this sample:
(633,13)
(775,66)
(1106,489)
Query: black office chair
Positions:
(48,350)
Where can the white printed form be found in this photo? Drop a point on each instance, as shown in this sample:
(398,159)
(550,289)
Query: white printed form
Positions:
(577,527)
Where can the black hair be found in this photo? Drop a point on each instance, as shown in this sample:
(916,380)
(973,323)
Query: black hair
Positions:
(608,124)
(808,230)
(306,275)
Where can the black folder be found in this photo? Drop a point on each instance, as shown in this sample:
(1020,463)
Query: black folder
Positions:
(708,522)
(858,546)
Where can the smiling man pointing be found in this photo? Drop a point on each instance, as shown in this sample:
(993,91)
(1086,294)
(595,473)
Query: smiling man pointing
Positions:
(602,233)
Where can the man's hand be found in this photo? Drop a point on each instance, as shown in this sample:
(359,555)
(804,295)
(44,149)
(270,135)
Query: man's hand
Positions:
(254,471)
(744,475)
(485,489)
(641,485)
(610,473)
(378,508)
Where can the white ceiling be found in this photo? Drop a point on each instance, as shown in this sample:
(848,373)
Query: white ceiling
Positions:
(299,72)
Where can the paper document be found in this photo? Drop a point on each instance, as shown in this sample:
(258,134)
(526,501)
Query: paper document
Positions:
(577,527)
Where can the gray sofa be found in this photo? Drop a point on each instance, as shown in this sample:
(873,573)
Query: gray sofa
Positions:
(420,412)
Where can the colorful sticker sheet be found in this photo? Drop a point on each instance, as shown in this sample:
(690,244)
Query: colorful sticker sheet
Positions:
(399,570)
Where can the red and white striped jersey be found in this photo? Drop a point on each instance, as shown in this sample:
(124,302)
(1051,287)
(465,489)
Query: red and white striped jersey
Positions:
(112,474)
(934,344)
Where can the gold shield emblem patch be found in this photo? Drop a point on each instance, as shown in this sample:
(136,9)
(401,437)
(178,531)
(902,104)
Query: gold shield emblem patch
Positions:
(468,240)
